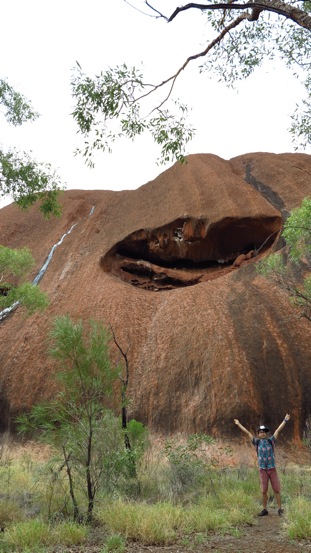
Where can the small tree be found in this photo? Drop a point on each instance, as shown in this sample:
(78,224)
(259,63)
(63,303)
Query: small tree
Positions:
(15,264)
(77,420)
(281,267)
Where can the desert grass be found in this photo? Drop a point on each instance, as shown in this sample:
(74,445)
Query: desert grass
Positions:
(222,506)
(298,518)
(165,504)
(37,534)
(114,544)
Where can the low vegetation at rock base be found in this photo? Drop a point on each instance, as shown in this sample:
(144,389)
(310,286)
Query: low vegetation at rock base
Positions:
(89,475)
(178,493)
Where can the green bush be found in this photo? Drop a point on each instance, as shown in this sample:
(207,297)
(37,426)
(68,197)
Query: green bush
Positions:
(188,468)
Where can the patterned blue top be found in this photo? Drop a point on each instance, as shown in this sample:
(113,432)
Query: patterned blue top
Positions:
(265,452)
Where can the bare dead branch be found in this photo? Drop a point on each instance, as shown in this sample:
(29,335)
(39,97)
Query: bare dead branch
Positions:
(125,382)
(155,10)
(266,240)
(124,355)
(141,11)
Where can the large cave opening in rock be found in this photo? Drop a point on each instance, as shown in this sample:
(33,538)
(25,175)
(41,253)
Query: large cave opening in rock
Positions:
(189,250)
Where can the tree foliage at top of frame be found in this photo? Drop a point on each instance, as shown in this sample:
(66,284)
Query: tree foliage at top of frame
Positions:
(21,176)
(16,108)
(27,181)
(242,35)
(108,106)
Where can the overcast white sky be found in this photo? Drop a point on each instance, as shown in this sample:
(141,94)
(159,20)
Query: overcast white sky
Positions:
(40,41)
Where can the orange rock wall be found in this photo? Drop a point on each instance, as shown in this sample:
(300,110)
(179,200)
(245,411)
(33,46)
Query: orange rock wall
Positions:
(200,354)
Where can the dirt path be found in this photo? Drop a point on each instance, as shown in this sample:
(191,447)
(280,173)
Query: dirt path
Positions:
(265,537)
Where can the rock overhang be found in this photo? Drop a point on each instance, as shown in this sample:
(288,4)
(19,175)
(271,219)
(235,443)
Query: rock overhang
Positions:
(189,250)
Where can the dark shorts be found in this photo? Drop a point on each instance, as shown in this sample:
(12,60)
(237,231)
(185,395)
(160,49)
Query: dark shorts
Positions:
(272,475)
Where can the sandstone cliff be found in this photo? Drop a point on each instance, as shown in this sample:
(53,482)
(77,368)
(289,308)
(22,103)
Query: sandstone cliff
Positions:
(172,267)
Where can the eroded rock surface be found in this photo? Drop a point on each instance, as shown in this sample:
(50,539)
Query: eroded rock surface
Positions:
(188,251)
(172,267)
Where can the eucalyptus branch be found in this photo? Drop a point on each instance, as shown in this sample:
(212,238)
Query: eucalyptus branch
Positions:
(118,93)
(210,46)
(300,17)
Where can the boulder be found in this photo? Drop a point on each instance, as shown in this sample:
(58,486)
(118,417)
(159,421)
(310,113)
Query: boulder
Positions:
(208,340)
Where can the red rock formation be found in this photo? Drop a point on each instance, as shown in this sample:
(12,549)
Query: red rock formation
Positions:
(206,341)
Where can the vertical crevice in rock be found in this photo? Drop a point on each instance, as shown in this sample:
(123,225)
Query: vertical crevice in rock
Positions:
(266,191)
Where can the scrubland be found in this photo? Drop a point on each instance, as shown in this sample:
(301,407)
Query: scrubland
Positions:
(180,493)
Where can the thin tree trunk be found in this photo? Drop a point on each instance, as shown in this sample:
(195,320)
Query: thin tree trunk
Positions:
(90,490)
(71,488)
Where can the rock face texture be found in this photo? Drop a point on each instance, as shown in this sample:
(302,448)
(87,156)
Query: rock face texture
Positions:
(172,267)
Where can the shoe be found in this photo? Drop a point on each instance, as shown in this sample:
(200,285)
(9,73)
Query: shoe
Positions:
(280,512)
(263,513)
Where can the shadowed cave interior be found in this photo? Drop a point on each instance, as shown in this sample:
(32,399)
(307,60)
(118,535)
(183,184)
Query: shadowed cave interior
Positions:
(189,250)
